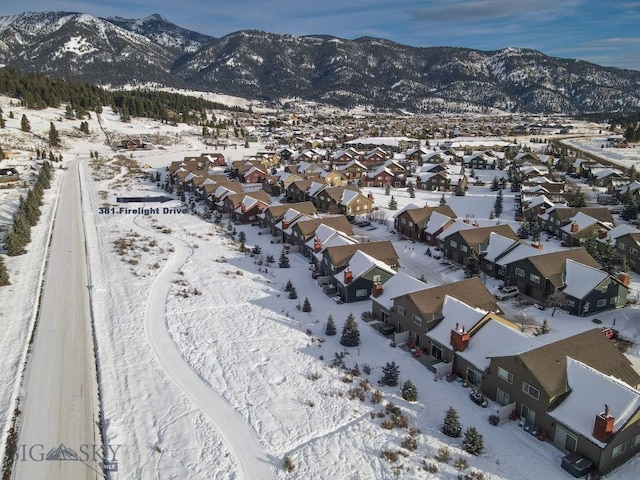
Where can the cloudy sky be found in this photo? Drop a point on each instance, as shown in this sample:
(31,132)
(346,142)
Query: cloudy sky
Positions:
(606,32)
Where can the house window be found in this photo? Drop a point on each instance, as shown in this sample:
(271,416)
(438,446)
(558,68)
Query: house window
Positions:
(613,300)
(436,352)
(361,292)
(531,391)
(410,223)
(519,272)
(622,246)
(528,415)
(474,376)
(453,243)
(566,440)
(534,278)
(416,319)
(633,251)
(571,303)
(602,302)
(502,397)
(618,449)
(401,310)
(505,375)
(463,248)
(635,441)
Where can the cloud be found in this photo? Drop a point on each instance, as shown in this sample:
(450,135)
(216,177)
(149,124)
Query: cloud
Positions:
(476,10)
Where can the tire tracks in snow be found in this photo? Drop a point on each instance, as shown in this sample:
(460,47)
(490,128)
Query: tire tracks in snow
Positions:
(240,438)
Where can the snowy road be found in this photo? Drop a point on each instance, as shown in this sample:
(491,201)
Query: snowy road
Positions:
(59,409)
(240,438)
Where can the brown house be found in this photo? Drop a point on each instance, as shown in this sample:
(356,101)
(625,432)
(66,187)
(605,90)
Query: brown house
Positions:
(335,259)
(411,222)
(460,245)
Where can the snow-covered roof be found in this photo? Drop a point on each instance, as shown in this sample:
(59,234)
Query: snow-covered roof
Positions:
(360,264)
(483,343)
(456,314)
(497,245)
(582,220)
(348,196)
(581,279)
(436,221)
(399,284)
(522,250)
(590,392)
(334,240)
(619,231)
(410,206)
(536,201)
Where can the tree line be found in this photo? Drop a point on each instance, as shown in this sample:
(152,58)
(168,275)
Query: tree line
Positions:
(27,214)
(37,91)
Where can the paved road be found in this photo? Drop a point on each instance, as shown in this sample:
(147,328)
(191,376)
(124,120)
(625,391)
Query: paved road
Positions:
(59,409)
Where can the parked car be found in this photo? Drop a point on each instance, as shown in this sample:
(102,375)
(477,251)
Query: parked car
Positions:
(576,464)
(506,292)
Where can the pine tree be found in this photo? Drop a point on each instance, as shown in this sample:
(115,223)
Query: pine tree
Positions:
(473,442)
(409,391)
(543,328)
(350,333)
(21,228)
(3,122)
(451,426)
(293,294)
(25,126)
(387,189)
(443,201)
(497,206)
(4,273)
(242,237)
(256,250)
(283,262)
(330,329)
(411,190)
(472,268)
(495,186)
(288,286)
(306,306)
(390,374)
(393,205)
(54,137)
(523,231)
(12,244)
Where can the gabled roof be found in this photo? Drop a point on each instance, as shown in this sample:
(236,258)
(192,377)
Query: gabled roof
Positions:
(498,246)
(470,291)
(278,211)
(480,235)
(437,220)
(361,263)
(456,314)
(399,284)
(581,279)
(236,199)
(582,220)
(340,222)
(551,265)
(563,213)
(548,363)
(382,250)
(590,391)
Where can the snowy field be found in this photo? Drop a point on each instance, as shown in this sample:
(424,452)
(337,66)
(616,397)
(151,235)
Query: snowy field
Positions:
(210,371)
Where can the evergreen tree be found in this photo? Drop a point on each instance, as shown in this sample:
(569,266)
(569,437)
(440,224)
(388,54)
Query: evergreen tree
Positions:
(543,328)
(270,259)
(25,126)
(411,190)
(523,231)
(393,205)
(630,212)
(242,237)
(473,442)
(409,391)
(387,189)
(497,206)
(256,250)
(283,262)
(576,199)
(21,228)
(54,137)
(495,186)
(350,333)
(390,374)
(443,201)
(293,294)
(306,306)
(2,154)
(472,268)
(3,122)
(288,286)
(4,273)
(12,244)
(451,426)
(330,329)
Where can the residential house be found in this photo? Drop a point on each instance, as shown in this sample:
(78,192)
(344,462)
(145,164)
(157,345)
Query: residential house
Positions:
(298,191)
(336,258)
(347,200)
(382,297)
(590,290)
(420,311)
(628,244)
(581,227)
(245,206)
(552,220)
(580,392)
(459,244)
(359,279)
(480,161)
(412,220)
(302,231)
(541,275)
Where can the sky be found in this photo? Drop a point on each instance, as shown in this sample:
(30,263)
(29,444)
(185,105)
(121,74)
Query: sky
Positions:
(598,31)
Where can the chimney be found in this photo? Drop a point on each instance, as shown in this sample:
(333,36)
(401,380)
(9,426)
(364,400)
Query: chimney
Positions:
(574,227)
(476,224)
(317,245)
(459,339)
(348,275)
(543,210)
(625,278)
(377,289)
(285,224)
(466,220)
(603,426)
(602,233)
(244,208)
(370,196)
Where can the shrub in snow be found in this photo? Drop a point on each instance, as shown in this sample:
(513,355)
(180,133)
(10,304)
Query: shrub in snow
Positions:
(443,455)
(409,391)
(289,466)
(473,442)
(293,294)
(390,374)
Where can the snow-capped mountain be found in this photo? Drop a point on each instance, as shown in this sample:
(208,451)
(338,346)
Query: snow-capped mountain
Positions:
(262,65)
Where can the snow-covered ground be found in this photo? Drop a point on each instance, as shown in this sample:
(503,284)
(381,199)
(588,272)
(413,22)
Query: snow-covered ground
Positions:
(209,370)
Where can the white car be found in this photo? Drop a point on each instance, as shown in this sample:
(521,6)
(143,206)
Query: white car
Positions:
(507,292)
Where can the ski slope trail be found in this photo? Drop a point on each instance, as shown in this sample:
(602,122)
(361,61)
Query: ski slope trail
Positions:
(241,439)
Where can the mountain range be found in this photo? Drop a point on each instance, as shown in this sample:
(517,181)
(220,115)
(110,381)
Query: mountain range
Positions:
(368,71)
